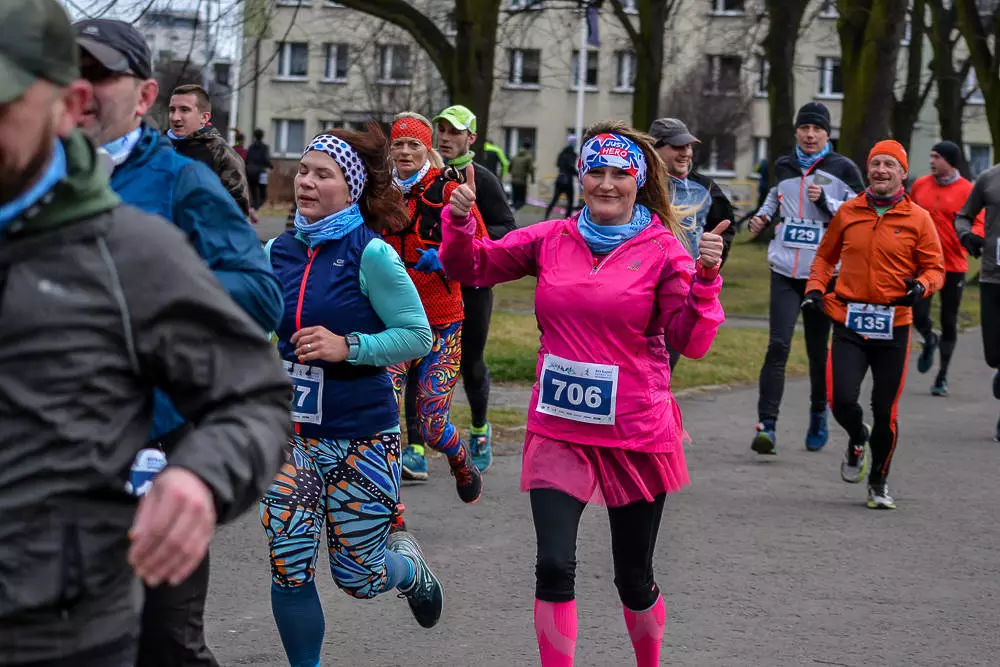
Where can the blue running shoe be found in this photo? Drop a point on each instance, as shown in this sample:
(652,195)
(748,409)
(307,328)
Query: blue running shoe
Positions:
(940,387)
(926,358)
(414,463)
(818,433)
(763,442)
(425,594)
(482,448)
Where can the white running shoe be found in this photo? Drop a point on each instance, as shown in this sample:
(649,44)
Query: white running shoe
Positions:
(879,498)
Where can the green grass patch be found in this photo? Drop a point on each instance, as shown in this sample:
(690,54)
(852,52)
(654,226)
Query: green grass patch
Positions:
(746,289)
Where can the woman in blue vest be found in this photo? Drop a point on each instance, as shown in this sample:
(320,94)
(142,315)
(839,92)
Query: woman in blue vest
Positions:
(351,310)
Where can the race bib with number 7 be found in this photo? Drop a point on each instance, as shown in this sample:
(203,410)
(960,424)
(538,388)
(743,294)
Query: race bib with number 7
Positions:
(577,390)
(871,321)
(307,396)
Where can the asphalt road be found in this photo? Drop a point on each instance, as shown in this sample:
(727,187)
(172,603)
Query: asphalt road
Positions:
(762,561)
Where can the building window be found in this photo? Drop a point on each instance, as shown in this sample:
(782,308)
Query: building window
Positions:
(525,66)
(393,63)
(727,6)
(979,158)
(335,68)
(762,73)
(971,91)
(829,10)
(293,60)
(625,71)
(831,84)
(515,136)
(592,63)
(522,5)
(717,154)
(724,75)
(220,73)
(289,137)
(630,6)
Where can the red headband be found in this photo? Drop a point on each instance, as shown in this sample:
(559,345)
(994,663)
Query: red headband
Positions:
(412,128)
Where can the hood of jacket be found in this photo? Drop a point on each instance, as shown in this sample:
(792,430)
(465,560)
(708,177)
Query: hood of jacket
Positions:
(84,192)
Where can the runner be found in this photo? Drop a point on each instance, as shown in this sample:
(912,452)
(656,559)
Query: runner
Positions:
(604,426)
(259,167)
(93,291)
(522,171)
(456,128)
(810,187)
(986,194)
(347,317)
(890,258)
(425,191)
(566,164)
(150,175)
(495,159)
(194,136)
(942,193)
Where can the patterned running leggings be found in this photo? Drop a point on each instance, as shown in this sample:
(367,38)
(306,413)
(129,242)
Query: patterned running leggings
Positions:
(352,485)
(437,374)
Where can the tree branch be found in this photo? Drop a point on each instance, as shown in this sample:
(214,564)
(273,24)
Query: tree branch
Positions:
(626,21)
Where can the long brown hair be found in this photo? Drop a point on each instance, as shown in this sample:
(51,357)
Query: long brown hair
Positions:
(655,193)
(381,201)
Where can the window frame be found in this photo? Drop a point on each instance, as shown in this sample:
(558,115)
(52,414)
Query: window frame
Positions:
(514,132)
(824,83)
(285,57)
(515,69)
(281,127)
(622,57)
(573,74)
(761,77)
(715,74)
(719,8)
(711,165)
(327,47)
(391,50)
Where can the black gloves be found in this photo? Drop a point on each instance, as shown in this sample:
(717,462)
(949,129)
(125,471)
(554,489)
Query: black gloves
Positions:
(813,300)
(914,293)
(973,243)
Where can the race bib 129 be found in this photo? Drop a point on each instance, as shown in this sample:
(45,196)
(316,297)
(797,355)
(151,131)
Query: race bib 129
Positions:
(578,391)
(870,321)
(307,397)
(804,234)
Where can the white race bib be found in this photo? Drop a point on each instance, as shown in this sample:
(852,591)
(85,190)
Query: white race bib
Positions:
(799,233)
(307,397)
(577,390)
(870,321)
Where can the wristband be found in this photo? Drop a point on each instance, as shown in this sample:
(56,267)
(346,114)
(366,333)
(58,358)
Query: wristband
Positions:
(353,346)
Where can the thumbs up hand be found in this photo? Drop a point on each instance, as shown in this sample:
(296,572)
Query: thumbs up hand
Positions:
(711,246)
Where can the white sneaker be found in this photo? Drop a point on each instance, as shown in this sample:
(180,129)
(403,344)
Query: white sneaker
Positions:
(879,498)
(856,461)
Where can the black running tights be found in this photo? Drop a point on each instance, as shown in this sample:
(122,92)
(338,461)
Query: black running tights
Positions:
(951,299)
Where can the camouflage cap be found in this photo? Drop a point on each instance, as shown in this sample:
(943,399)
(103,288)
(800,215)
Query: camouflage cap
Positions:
(36,42)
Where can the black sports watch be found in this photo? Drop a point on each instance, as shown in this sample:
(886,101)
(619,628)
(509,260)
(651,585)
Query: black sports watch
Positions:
(353,345)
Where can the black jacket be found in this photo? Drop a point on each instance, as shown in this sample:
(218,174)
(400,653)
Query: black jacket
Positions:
(492,203)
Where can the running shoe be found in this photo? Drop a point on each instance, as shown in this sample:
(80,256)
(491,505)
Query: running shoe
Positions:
(763,442)
(414,463)
(857,459)
(468,479)
(818,433)
(940,387)
(879,498)
(926,359)
(996,384)
(482,448)
(425,594)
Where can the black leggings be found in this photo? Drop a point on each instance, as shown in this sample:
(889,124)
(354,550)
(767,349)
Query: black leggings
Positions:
(786,302)
(951,299)
(633,538)
(851,357)
(989,314)
(557,192)
(475,330)
(173,624)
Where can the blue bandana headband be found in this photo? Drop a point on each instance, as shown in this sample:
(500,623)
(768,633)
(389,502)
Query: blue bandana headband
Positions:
(616,151)
(346,158)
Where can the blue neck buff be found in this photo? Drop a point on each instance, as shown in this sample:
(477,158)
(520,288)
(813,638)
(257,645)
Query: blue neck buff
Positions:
(121,148)
(807,161)
(55,172)
(332,227)
(602,239)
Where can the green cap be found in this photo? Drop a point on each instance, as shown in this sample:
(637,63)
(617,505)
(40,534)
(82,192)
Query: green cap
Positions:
(460,117)
(36,42)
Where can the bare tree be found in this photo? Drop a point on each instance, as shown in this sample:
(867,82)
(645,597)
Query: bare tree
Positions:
(916,86)
(949,74)
(784,27)
(979,22)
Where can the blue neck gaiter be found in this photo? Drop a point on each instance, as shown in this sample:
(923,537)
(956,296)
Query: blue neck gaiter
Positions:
(55,172)
(334,226)
(602,239)
(807,161)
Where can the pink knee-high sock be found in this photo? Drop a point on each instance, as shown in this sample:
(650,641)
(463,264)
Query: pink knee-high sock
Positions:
(555,628)
(645,629)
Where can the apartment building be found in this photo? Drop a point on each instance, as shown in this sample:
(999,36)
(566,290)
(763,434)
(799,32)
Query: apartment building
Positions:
(323,65)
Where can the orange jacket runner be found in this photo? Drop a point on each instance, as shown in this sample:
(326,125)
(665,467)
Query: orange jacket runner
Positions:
(877,255)
(943,202)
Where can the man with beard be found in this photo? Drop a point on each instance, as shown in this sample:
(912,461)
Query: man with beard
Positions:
(150,175)
(194,137)
(102,303)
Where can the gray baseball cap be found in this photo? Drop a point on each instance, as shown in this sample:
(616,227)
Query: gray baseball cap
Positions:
(672,131)
(36,42)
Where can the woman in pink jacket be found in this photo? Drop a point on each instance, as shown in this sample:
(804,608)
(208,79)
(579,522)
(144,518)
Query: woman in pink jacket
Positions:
(616,287)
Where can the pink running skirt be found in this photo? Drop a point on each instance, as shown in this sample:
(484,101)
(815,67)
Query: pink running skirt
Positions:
(601,475)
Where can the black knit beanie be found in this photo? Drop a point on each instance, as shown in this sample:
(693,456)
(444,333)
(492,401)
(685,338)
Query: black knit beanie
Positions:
(949,150)
(814,113)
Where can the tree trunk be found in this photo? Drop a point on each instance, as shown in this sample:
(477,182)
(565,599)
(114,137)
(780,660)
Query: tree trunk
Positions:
(950,104)
(785,19)
(647,43)
(985,56)
(906,110)
(870,35)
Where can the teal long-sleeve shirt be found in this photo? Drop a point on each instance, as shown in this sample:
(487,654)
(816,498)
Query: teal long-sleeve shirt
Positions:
(394,298)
